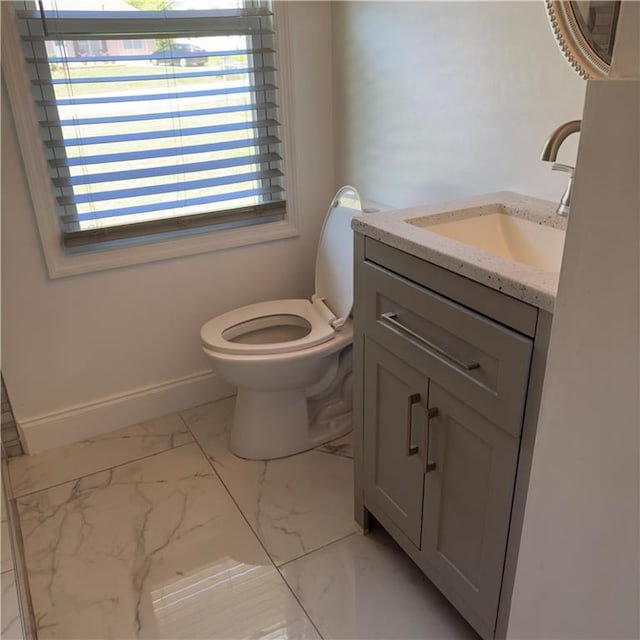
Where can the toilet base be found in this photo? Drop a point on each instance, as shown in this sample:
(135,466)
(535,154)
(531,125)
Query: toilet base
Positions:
(268,424)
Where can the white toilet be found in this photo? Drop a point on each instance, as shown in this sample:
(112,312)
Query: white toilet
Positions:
(291,359)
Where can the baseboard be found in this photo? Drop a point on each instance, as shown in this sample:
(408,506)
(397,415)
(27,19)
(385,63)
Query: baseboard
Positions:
(94,418)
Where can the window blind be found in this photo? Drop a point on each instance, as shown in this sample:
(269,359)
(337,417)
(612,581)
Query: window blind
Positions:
(156,121)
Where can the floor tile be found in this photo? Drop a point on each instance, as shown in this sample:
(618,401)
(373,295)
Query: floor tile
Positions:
(366,587)
(55,466)
(6,558)
(340,447)
(11,625)
(295,504)
(151,549)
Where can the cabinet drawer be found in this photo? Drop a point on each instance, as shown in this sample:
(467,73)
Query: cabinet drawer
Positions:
(488,302)
(466,353)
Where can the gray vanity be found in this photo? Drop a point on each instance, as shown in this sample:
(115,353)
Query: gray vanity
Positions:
(450,346)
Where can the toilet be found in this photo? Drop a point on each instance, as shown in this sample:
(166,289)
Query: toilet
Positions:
(291,359)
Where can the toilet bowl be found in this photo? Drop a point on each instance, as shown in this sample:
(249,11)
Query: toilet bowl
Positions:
(290,359)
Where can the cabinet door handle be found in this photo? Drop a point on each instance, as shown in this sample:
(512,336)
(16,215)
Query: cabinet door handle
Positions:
(391,318)
(427,465)
(411,449)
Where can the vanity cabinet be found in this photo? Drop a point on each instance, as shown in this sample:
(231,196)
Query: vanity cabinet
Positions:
(443,368)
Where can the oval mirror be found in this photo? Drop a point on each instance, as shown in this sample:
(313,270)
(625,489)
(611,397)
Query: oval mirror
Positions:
(585,31)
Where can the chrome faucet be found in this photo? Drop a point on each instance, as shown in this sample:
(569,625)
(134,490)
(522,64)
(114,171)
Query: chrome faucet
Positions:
(550,153)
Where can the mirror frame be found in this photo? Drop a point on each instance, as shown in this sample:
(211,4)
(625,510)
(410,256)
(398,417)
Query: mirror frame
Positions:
(585,61)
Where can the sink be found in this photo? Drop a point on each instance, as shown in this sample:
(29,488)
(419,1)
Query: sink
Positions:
(507,241)
(495,230)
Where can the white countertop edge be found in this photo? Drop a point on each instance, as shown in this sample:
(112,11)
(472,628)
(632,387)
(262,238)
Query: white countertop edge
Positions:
(523,282)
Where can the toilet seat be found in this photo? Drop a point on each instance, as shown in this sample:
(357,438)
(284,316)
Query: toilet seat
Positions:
(212,333)
(330,305)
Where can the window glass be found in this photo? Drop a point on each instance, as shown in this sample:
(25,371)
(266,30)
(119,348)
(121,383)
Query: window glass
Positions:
(177,121)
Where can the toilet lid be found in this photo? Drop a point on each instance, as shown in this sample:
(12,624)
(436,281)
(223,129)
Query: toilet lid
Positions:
(334,261)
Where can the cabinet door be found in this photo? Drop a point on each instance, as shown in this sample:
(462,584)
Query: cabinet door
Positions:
(395,397)
(467,503)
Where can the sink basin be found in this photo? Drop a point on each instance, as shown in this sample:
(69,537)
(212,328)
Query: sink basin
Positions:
(502,234)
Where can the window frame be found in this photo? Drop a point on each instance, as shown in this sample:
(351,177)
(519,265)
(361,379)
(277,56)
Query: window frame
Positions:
(119,253)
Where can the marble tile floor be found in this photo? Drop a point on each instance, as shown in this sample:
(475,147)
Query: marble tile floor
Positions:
(10,615)
(158,531)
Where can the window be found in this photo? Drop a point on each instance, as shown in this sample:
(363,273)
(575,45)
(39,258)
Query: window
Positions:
(156,122)
(132,44)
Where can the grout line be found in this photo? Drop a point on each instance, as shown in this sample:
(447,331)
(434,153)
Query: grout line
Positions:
(204,453)
(295,595)
(324,546)
(21,573)
(275,566)
(86,475)
(332,453)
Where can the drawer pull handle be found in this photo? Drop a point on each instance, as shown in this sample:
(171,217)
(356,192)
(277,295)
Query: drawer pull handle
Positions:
(411,449)
(428,466)
(390,317)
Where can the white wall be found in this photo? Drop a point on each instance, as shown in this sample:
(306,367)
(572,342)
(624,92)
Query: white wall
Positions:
(437,100)
(578,573)
(76,349)
(581,531)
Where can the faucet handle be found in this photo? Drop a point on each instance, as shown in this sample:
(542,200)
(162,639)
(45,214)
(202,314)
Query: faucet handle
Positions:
(558,166)
(565,201)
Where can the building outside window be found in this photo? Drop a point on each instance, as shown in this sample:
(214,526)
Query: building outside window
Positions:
(132,44)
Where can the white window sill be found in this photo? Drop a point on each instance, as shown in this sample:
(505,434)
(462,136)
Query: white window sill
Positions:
(61,263)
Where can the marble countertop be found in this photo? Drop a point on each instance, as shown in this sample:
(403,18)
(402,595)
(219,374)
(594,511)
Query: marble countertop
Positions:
(529,284)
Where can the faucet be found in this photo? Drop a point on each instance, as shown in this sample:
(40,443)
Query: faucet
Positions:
(550,153)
